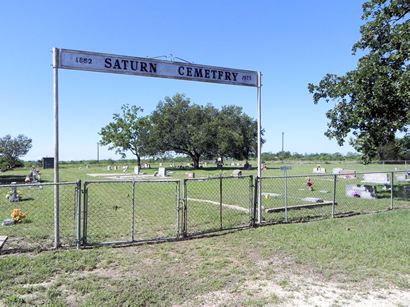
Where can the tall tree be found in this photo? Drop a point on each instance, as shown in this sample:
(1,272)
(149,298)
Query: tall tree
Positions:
(11,149)
(236,135)
(183,127)
(372,102)
(127,132)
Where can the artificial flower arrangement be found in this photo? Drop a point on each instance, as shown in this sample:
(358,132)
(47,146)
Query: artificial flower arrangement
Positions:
(17,215)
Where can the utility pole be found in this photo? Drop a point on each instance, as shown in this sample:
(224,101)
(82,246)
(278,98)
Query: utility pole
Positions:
(98,152)
(283,141)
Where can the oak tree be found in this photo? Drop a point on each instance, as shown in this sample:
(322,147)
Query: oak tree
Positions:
(372,102)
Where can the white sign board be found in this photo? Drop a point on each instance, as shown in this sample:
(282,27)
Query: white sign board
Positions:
(119,64)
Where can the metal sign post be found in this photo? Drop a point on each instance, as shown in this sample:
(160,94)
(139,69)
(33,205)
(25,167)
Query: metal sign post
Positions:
(259,116)
(56,153)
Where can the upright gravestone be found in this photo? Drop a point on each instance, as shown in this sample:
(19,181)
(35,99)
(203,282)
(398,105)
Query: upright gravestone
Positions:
(162,172)
(136,170)
(13,197)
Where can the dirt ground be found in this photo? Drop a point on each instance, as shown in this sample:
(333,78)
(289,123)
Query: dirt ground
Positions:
(294,285)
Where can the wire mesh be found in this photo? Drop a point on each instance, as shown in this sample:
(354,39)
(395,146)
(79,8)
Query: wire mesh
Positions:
(156,210)
(296,198)
(36,203)
(401,190)
(363,192)
(217,203)
(127,211)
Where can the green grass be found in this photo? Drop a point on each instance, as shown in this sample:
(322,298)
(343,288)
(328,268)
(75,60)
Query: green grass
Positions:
(355,250)
(121,211)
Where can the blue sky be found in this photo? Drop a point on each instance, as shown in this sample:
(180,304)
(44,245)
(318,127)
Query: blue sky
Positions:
(291,42)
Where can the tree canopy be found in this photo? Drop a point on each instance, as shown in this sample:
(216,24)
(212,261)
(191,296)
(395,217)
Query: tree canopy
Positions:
(127,132)
(372,102)
(11,149)
(183,127)
(180,126)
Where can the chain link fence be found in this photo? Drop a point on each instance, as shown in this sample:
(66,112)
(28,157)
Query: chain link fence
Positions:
(300,198)
(217,203)
(27,215)
(137,211)
(129,211)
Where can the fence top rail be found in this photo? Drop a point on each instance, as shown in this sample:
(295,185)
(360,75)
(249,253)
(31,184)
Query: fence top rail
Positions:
(42,184)
(217,177)
(131,181)
(332,175)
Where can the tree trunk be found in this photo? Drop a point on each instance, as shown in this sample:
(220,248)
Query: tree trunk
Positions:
(138,161)
(195,161)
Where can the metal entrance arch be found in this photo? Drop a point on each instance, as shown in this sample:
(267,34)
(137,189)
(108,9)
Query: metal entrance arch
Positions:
(147,67)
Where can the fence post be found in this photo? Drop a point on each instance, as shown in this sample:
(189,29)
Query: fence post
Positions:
(391,190)
(178,206)
(220,202)
(133,212)
(185,211)
(78,214)
(255,201)
(334,195)
(286,196)
(251,202)
(85,213)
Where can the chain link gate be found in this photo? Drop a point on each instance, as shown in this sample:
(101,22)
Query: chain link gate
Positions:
(130,211)
(217,203)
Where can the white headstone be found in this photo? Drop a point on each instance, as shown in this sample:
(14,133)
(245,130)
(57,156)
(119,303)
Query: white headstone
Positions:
(162,172)
(381,178)
(109,167)
(237,173)
(136,170)
(190,175)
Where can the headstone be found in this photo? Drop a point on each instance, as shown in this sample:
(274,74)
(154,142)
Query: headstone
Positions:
(337,170)
(125,168)
(160,165)
(115,167)
(190,175)
(344,173)
(109,167)
(162,172)
(378,178)
(136,170)
(33,176)
(319,170)
(13,197)
(237,173)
